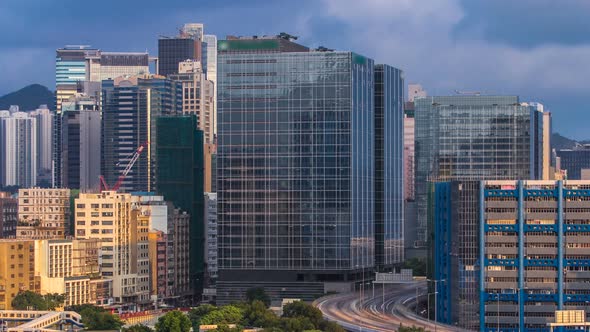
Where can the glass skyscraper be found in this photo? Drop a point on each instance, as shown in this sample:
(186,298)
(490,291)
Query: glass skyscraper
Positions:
(574,161)
(297,166)
(130,108)
(469,138)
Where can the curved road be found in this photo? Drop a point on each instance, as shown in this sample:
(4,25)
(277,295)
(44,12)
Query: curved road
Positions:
(366,314)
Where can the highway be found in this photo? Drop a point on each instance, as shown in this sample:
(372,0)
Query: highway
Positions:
(385,312)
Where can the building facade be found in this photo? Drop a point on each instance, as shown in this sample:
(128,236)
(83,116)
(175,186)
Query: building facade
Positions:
(179,177)
(211,239)
(198,94)
(172,51)
(17,270)
(44,135)
(296,167)
(81,143)
(180,287)
(130,107)
(8,215)
(473,137)
(122,227)
(18,149)
(388,165)
(43,213)
(531,249)
(574,161)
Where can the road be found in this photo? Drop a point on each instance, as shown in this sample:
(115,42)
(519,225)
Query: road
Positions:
(385,312)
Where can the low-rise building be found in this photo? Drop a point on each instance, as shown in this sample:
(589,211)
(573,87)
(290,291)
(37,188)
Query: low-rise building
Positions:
(8,215)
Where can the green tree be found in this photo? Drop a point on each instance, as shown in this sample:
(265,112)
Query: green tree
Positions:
(137,328)
(54,300)
(417,265)
(229,314)
(197,313)
(302,309)
(327,326)
(256,314)
(258,294)
(173,321)
(225,328)
(28,299)
(296,324)
(96,318)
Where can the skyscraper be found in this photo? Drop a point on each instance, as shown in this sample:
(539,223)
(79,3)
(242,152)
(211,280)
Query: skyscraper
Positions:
(130,107)
(172,51)
(473,137)
(81,142)
(18,149)
(44,133)
(197,96)
(574,160)
(80,69)
(209,60)
(296,166)
(179,177)
(389,152)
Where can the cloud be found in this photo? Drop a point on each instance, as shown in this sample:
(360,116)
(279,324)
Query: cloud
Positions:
(418,37)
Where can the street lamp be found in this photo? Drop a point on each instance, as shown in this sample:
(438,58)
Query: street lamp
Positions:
(435,300)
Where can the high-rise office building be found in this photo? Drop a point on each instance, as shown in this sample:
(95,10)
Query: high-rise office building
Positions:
(81,142)
(130,108)
(172,51)
(81,69)
(18,149)
(388,165)
(209,60)
(197,96)
(179,177)
(8,215)
(530,252)
(296,166)
(473,137)
(43,213)
(210,168)
(574,160)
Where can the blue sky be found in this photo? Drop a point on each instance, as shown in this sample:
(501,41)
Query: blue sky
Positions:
(538,49)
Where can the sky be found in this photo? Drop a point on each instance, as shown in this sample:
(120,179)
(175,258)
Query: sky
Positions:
(537,49)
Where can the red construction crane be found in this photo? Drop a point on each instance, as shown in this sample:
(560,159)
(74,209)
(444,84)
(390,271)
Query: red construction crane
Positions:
(133,159)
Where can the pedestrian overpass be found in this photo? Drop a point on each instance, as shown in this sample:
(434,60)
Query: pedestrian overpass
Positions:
(38,321)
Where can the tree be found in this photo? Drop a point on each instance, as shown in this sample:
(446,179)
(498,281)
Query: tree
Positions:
(258,293)
(302,309)
(225,328)
(229,314)
(173,321)
(137,328)
(417,265)
(96,318)
(195,315)
(328,326)
(256,314)
(28,299)
(296,324)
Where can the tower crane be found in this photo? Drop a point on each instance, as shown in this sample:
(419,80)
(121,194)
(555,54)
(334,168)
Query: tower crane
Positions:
(133,159)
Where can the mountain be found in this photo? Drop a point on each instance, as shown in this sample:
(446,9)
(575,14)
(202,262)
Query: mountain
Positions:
(28,98)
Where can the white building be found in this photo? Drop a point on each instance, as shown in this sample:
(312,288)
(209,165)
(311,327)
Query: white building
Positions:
(44,137)
(18,149)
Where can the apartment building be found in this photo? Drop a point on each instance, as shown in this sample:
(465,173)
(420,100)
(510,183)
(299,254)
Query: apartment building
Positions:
(43,213)
(115,219)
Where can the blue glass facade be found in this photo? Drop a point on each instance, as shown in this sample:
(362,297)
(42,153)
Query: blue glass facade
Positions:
(296,166)
(130,109)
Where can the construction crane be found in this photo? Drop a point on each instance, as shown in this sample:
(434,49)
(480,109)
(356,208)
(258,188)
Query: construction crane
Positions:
(133,159)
